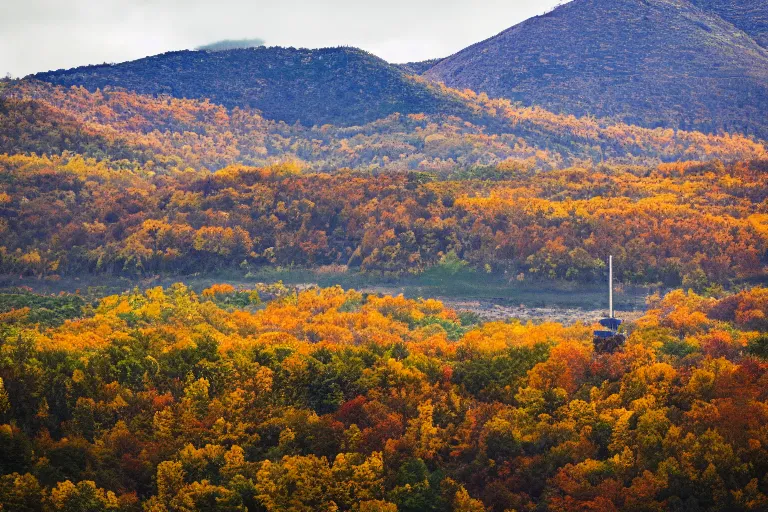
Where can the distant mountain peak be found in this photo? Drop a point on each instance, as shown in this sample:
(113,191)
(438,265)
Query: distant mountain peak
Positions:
(688,64)
(646,62)
(340,85)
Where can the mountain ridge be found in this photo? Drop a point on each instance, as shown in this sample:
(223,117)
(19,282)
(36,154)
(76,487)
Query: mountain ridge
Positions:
(650,63)
(645,62)
(750,16)
(343,85)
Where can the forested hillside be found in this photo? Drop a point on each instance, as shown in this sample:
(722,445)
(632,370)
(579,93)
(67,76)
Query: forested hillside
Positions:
(751,16)
(36,117)
(333,400)
(341,86)
(645,62)
(694,224)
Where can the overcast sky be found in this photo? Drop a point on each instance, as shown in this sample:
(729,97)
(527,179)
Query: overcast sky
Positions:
(40,35)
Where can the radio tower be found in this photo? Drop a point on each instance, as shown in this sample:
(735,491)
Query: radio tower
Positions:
(610,339)
(610,285)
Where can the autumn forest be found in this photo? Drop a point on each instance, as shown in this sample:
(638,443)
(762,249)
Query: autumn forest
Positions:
(219,166)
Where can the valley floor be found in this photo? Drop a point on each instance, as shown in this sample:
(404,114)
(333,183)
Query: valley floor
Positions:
(491,297)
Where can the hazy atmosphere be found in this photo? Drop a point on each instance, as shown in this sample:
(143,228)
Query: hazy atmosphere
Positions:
(41,35)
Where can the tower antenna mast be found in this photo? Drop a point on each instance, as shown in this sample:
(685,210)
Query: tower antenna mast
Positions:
(609,340)
(610,285)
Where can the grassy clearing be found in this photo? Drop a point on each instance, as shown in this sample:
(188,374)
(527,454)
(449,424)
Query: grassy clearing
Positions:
(456,285)
(466,284)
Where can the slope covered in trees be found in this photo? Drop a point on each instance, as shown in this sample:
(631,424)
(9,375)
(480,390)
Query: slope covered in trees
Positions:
(419,67)
(692,223)
(751,16)
(167,400)
(342,86)
(645,62)
(36,117)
